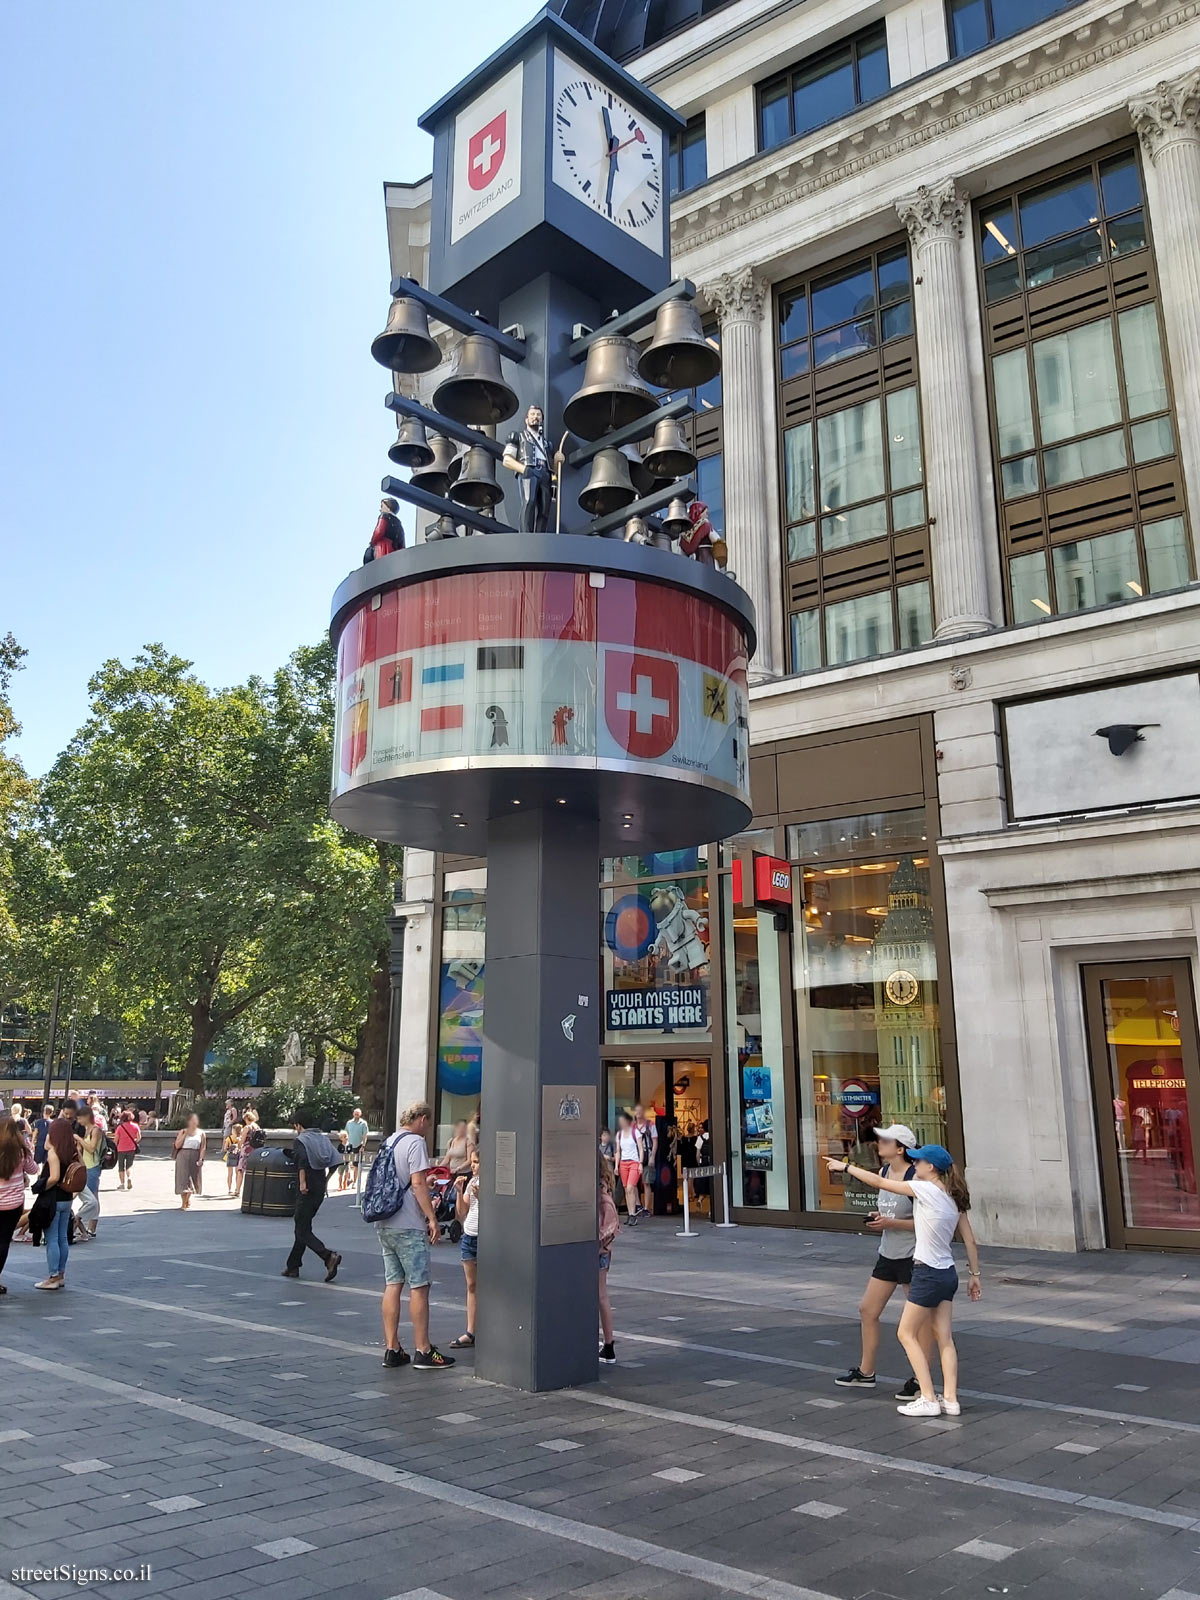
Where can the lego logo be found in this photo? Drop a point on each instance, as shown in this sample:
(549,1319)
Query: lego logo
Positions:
(781,880)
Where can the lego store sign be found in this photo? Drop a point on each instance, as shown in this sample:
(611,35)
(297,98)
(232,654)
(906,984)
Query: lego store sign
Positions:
(770,882)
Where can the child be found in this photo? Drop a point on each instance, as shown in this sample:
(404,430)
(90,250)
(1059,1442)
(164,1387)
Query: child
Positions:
(232,1148)
(466,1209)
(608,1225)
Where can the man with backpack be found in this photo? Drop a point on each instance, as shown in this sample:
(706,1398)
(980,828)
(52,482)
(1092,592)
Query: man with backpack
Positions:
(397,1201)
(314,1156)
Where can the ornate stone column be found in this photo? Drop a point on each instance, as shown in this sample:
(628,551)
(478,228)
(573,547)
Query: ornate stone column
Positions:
(1168,124)
(935,217)
(738,299)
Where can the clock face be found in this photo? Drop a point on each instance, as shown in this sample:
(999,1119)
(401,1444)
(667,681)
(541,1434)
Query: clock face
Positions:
(901,988)
(607,155)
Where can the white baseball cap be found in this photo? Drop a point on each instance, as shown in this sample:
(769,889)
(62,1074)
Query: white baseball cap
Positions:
(900,1134)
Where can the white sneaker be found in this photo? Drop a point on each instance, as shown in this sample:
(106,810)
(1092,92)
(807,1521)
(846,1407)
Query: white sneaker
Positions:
(950,1408)
(920,1408)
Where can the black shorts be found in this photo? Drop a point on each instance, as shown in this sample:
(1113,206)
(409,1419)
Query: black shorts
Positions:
(125,1159)
(893,1269)
(932,1285)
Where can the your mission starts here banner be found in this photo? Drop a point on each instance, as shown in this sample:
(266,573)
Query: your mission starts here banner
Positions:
(657,1008)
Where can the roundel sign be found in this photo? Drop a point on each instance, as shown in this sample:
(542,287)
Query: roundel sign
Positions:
(856,1098)
(630,927)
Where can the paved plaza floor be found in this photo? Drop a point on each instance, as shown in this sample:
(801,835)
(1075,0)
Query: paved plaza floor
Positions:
(184,1413)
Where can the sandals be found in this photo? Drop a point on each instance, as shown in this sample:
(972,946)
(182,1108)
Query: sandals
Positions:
(465,1341)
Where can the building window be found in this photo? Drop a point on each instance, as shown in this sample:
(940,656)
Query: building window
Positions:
(1088,479)
(823,88)
(854,510)
(974,24)
(866,984)
(689,156)
(654,955)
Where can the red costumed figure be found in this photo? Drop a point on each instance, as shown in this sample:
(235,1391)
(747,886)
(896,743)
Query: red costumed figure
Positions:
(389,531)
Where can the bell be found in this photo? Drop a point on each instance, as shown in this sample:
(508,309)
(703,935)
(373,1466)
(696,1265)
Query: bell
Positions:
(443,528)
(612,395)
(609,488)
(434,478)
(660,539)
(640,476)
(475,485)
(678,356)
(637,531)
(668,456)
(475,392)
(406,344)
(454,470)
(411,448)
(676,521)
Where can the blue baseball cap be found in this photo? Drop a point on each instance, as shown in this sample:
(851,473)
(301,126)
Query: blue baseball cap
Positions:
(936,1154)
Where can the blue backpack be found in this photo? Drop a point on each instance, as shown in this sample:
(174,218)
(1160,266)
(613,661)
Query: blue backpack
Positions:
(384,1194)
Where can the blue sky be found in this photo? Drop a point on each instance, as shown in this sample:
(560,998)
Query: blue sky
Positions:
(194,264)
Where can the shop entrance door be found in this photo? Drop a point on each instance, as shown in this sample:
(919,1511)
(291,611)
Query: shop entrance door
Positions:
(1142,1040)
(675,1094)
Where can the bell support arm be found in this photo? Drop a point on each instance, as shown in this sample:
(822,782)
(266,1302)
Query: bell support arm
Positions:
(680,490)
(458,319)
(631,432)
(403,490)
(629,321)
(437,423)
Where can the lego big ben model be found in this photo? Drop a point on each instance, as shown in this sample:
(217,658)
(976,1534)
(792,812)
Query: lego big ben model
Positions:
(904,968)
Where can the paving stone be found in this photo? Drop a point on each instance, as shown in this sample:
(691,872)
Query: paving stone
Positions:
(985,1550)
(280,1549)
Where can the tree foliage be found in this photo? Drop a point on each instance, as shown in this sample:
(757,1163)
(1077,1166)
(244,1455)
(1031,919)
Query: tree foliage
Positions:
(184,843)
(16,794)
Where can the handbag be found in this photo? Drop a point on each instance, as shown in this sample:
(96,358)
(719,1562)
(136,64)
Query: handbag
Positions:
(74,1179)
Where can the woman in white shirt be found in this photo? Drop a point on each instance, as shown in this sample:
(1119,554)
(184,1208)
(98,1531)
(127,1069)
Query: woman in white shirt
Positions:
(940,1205)
(466,1209)
(629,1164)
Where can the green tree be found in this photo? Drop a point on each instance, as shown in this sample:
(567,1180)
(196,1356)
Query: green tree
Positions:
(16,794)
(200,871)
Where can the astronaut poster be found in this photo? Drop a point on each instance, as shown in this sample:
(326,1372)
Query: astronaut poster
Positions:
(656,960)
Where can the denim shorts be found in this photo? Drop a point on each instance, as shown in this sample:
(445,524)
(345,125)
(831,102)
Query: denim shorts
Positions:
(468,1247)
(605,1260)
(405,1255)
(931,1285)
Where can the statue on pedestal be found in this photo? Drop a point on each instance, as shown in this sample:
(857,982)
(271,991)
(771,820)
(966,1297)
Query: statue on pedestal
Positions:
(528,454)
(389,531)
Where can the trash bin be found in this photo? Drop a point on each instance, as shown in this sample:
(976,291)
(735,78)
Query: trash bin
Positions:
(269,1188)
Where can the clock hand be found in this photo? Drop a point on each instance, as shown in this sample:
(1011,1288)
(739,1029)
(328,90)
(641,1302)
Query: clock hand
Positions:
(612,175)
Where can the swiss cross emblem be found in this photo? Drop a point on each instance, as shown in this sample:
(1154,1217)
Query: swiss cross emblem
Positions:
(485,152)
(641,703)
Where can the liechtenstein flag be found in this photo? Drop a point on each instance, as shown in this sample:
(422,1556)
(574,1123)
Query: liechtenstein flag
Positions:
(442,710)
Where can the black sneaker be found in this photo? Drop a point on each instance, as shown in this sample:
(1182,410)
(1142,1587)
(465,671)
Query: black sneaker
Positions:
(608,1354)
(332,1264)
(431,1360)
(396,1358)
(856,1379)
(290,1272)
(909,1391)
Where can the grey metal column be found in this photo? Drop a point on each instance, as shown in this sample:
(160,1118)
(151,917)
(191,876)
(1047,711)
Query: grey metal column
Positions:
(538,1284)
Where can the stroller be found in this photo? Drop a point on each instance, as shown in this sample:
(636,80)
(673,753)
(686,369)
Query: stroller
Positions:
(443,1195)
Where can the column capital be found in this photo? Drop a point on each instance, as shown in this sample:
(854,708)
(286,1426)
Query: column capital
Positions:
(936,211)
(737,296)
(1170,111)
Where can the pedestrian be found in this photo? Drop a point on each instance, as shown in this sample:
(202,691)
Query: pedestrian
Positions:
(16,1165)
(608,1225)
(458,1151)
(629,1157)
(59,1182)
(96,1107)
(647,1134)
(128,1138)
(91,1135)
(314,1156)
(231,1149)
(608,1146)
(41,1127)
(190,1145)
(893,1221)
(466,1209)
(941,1202)
(356,1141)
(406,1238)
(228,1118)
(252,1138)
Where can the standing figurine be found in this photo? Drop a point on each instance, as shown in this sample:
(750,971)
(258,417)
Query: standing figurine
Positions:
(528,454)
(389,531)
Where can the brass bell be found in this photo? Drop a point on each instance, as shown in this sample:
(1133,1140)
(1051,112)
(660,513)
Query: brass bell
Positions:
(435,478)
(411,448)
(454,470)
(676,521)
(406,344)
(475,484)
(640,476)
(668,456)
(475,392)
(660,539)
(679,356)
(612,395)
(637,531)
(609,488)
(443,528)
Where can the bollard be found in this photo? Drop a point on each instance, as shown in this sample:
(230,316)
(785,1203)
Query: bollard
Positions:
(725,1192)
(687,1231)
